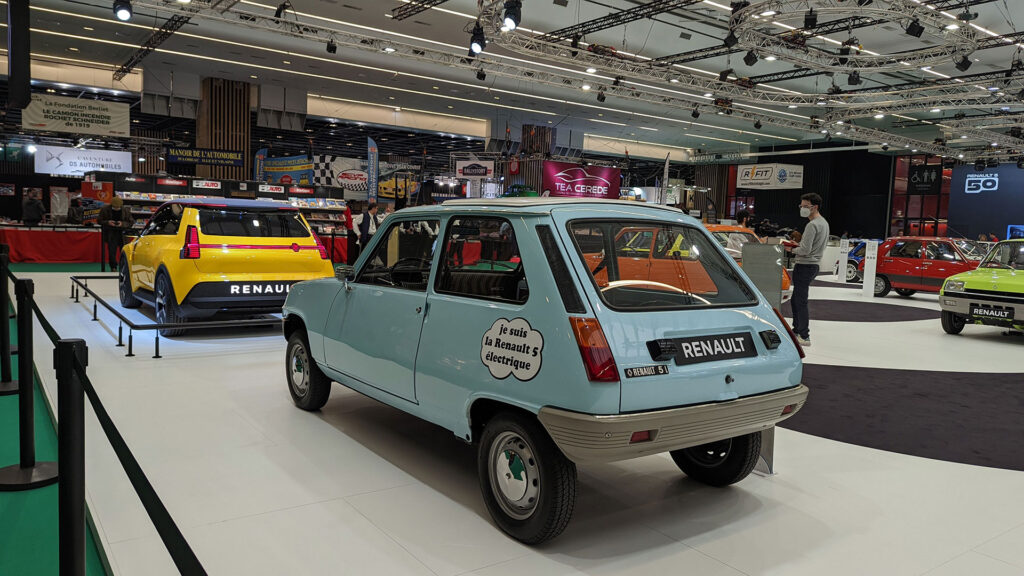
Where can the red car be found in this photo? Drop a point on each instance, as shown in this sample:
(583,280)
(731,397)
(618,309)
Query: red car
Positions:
(911,263)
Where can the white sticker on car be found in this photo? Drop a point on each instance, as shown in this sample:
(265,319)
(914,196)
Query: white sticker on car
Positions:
(512,347)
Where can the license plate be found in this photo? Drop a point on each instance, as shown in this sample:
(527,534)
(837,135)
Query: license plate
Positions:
(697,349)
(993,313)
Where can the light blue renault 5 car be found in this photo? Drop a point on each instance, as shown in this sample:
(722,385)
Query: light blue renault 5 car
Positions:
(541,330)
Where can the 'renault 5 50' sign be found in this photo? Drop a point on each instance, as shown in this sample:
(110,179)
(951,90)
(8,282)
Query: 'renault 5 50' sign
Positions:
(566,179)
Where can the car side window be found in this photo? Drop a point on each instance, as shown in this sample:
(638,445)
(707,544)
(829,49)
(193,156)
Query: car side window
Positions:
(402,259)
(165,222)
(906,249)
(941,251)
(481,260)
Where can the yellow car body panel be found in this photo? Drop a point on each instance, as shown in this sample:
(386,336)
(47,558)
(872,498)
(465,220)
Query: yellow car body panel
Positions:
(234,260)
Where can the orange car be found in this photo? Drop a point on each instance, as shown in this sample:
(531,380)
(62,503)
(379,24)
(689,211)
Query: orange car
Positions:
(670,262)
(732,238)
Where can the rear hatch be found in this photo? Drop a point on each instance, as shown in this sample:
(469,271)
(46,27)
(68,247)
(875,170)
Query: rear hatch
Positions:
(687,326)
(256,241)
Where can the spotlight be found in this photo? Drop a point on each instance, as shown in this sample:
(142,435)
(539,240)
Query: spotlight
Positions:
(477,42)
(979,164)
(915,28)
(731,40)
(966,16)
(31,149)
(332,48)
(844,51)
(963,63)
(575,41)
(724,75)
(600,96)
(992,163)
(854,79)
(740,5)
(281,8)
(513,13)
(695,113)
(481,75)
(757,124)
(811,19)
(617,81)
(750,59)
(885,147)
(123,10)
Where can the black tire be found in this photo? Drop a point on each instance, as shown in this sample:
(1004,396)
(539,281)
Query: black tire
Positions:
(310,388)
(852,273)
(906,292)
(167,311)
(953,323)
(882,286)
(548,486)
(124,285)
(720,463)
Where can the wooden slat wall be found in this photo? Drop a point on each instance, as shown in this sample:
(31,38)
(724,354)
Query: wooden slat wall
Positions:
(151,153)
(224,124)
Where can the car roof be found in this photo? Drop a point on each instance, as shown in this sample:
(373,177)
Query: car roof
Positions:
(232,203)
(928,238)
(542,205)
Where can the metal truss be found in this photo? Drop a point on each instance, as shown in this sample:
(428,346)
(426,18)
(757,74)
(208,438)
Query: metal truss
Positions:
(668,100)
(172,25)
(413,8)
(648,10)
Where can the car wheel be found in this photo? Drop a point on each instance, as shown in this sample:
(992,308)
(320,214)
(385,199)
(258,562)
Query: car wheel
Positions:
(851,271)
(308,386)
(882,286)
(953,323)
(528,485)
(720,463)
(167,311)
(906,293)
(124,285)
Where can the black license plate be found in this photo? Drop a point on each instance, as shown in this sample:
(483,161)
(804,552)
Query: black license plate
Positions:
(697,349)
(992,313)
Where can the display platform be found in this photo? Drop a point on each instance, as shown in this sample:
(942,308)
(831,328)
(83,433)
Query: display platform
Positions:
(260,487)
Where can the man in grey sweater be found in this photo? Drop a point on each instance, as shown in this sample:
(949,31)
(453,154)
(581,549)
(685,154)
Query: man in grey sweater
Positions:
(808,258)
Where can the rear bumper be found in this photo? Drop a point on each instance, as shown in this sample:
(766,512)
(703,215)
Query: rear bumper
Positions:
(588,438)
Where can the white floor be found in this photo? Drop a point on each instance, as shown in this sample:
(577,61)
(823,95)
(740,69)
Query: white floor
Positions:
(260,487)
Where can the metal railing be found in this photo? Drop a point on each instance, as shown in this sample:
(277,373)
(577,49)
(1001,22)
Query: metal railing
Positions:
(73,386)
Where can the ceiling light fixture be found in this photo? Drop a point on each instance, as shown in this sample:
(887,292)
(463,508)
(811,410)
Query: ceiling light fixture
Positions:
(332,47)
(952,26)
(695,113)
(963,63)
(600,96)
(724,74)
(123,10)
(481,75)
(879,116)
(770,58)
(757,124)
(513,13)
(585,87)
(854,78)
(750,59)
(811,19)
(936,110)
(477,42)
(915,28)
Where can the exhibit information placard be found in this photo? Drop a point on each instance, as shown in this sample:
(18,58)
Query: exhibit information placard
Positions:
(78,116)
(870,265)
(844,257)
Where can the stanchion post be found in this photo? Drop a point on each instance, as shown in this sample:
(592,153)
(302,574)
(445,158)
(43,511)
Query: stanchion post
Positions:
(120,334)
(130,353)
(156,345)
(28,473)
(71,453)
(7,385)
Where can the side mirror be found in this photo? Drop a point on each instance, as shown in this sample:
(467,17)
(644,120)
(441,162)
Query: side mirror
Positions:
(344,272)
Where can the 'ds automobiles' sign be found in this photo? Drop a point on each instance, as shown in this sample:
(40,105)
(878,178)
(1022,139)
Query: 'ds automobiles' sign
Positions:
(770,176)
(566,179)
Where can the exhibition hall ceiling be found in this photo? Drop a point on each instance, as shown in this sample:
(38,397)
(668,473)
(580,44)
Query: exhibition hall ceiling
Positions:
(656,71)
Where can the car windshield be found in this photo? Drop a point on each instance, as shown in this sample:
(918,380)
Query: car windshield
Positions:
(734,240)
(677,268)
(269,223)
(972,249)
(1005,255)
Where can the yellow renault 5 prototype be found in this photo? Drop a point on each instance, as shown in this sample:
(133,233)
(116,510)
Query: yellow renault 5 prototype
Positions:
(196,257)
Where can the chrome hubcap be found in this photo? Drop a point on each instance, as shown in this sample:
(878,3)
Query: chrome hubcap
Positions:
(515,477)
(298,376)
(879,285)
(851,271)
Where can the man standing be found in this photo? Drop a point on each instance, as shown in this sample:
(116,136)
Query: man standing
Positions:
(808,258)
(113,219)
(32,209)
(743,218)
(368,226)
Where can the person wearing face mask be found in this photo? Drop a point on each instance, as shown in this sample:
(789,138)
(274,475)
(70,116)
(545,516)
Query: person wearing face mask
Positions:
(808,258)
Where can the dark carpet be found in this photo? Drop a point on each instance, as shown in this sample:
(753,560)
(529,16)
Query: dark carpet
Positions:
(846,311)
(954,416)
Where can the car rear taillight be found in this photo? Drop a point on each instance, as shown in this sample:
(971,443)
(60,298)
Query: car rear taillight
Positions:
(191,248)
(597,355)
(320,247)
(789,330)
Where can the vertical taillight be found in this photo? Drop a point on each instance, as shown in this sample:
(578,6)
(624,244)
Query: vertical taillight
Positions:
(320,247)
(191,248)
(789,330)
(597,355)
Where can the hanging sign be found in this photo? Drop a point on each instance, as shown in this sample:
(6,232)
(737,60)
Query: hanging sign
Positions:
(567,179)
(924,179)
(76,115)
(474,169)
(58,160)
(205,157)
(770,176)
(372,169)
(286,170)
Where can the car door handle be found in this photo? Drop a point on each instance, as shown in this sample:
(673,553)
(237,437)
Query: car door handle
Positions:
(419,309)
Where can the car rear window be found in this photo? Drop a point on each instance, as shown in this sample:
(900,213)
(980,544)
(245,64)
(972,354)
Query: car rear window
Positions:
(639,266)
(252,223)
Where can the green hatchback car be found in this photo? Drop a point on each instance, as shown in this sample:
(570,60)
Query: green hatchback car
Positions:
(992,294)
